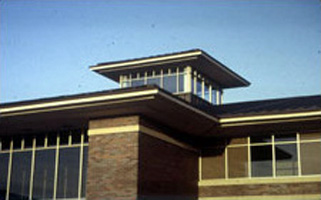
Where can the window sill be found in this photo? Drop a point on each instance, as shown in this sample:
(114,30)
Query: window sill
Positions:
(262,180)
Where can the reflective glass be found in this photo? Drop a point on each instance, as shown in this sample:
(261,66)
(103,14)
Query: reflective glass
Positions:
(206,92)
(68,173)
(199,88)
(20,175)
(44,174)
(153,81)
(261,161)
(5,143)
(311,158)
(170,83)
(4,159)
(286,159)
(310,136)
(181,78)
(261,139)
(237,162)
(137,82)
(214,96)
(281,138)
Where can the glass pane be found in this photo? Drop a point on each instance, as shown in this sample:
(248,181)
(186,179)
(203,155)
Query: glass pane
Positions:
(261,161)
(4,159)
(5,143)
(181,82)
(28,142)
(138,82)
(153,81)
(279,138)
(84,172)
(169,83)
(206,92)
(310,136)
(199,88)
(40,140)
(44,174)
(52,139)
(213,96)
(237,162)
(20,177)
(311,158)
(68,173)
(286,160)
(17,142)
(125,84)
(213,163)
(238,140)
(261,139)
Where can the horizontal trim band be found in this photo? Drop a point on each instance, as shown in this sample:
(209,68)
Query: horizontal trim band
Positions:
(266,197)
(140,129)
(270,117)
(252,181)
(76,101)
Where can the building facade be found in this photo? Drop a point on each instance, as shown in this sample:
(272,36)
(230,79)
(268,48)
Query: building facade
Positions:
(164,134)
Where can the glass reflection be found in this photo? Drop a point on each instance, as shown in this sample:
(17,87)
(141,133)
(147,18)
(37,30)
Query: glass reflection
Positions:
(43,183)
(20,177)
(286,160)
(68,173)
(170,83)
(4,159)
(261,161)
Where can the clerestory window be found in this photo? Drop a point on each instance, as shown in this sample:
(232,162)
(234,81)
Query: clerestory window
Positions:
(271,156)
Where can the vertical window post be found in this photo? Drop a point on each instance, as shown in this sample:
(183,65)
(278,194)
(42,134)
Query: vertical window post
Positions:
(9,170)
(56,169)
(273,158)
(298,141)
(32,167)
(249,157)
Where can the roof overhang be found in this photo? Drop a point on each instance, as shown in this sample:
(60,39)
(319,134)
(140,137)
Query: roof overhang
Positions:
(197,59)
(76,111)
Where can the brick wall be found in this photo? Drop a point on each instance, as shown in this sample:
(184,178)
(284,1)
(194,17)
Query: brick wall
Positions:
(112,162)
(132,165)
(261,189)
(166,171)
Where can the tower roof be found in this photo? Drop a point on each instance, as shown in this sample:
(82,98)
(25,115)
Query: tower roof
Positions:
(196,58)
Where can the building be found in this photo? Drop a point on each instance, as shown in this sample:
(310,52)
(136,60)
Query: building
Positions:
(165,134)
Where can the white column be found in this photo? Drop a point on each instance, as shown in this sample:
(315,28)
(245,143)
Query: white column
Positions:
(188,79)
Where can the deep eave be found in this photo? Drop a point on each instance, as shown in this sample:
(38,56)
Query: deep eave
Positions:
(76,110)
(198,59)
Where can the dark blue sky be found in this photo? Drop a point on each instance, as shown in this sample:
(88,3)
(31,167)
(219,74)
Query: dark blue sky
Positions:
(47,46)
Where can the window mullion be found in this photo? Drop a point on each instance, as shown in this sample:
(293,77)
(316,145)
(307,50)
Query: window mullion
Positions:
(298,141)
(273,158)
(249,157)
(9,170)
(56,168)
(32,167)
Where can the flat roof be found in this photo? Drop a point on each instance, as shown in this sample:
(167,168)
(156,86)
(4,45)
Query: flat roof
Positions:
(196,58)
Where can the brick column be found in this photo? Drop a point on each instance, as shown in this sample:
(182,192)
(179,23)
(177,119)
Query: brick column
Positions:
(129,159)
(112,159)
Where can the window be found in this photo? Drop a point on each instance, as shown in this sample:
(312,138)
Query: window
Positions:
(170,83)
(35,161)
(265,156)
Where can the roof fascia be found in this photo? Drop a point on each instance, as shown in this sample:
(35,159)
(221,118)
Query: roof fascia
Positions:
(146,60)
(264,119)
